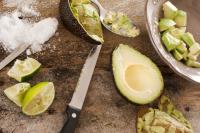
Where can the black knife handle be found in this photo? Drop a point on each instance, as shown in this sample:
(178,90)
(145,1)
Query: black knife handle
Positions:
(70,125)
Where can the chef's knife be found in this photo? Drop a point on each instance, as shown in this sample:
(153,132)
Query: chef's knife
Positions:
(13,55)
(81,89)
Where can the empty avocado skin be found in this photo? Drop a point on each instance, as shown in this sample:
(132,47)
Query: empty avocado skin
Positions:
(72,23)
(166,119)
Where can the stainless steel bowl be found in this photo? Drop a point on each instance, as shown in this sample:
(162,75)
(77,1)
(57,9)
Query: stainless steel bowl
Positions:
(153,12)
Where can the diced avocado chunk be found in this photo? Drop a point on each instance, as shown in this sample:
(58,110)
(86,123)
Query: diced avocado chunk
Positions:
(157,129)
(170,11)
(182,48)
(193,56)
(177,32)
(181,18)
(188,39)
(195,49)
(110,17)
(192,63)
(177,55)
(165,24)
(170,42)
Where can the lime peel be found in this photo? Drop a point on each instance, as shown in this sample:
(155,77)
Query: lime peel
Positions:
(38,98)
(16,93)
(23,70)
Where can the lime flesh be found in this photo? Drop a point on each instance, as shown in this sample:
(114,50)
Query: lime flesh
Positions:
(16,93)
(38,98)
(23,70)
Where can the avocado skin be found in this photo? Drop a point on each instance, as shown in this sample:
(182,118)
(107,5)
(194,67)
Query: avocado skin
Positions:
(72,24)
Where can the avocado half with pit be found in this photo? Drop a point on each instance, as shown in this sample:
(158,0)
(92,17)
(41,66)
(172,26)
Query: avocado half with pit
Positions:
(136,76)
(82,19)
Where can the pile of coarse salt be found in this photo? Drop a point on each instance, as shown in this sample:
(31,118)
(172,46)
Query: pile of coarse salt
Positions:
(15,31)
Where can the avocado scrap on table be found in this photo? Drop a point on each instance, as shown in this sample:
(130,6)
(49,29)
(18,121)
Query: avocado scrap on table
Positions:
(165,119)
(180,43)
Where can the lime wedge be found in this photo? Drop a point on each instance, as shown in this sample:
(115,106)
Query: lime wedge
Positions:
(23,70)
(16,93)
(38,98)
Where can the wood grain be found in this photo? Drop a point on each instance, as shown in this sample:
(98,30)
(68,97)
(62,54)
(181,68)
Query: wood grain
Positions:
(105,110)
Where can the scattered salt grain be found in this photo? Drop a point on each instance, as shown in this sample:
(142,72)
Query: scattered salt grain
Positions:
(15,31)
(24,6)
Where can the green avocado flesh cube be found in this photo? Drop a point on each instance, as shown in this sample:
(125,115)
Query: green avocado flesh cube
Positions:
(170,42)
(129,67)
(110,17)
(165,24)
(192,63)
(177,32)
(195,49)
(188,39)
(182,48)
(177,55)
(193,56)
(170,11)
(181,18)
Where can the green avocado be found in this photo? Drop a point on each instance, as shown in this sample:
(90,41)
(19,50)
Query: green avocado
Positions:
(82,19)
(136,76)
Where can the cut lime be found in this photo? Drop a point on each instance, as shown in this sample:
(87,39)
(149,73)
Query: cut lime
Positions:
(16,93)
(38,98)
(23,70)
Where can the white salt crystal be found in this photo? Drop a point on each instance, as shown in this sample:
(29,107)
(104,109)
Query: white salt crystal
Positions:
(15,31)
(24,6)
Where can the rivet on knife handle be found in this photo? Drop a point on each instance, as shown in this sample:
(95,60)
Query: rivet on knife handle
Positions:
(70,125)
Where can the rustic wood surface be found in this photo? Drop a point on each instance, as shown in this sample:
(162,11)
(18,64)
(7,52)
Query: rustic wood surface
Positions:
(105,110)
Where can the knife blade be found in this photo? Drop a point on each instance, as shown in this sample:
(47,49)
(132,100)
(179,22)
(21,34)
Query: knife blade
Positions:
(81,89)
(13,55)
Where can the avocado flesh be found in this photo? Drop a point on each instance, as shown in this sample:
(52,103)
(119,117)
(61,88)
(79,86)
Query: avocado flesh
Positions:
(181,18)
(188,38)
(166,119)
(79,2)
(180,43)
(165,24)
(170,11)
(120,23)
(170,41)
(136,76)
(88,18)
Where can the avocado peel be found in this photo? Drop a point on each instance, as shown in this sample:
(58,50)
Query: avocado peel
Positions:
(165,119)
(70,12)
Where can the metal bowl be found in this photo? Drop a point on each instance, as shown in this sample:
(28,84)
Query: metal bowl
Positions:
(153,12)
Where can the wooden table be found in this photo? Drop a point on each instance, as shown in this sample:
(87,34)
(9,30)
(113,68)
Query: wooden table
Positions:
(105,110)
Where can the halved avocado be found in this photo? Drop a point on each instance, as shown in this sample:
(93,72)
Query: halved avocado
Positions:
(136,76)
(70,17)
